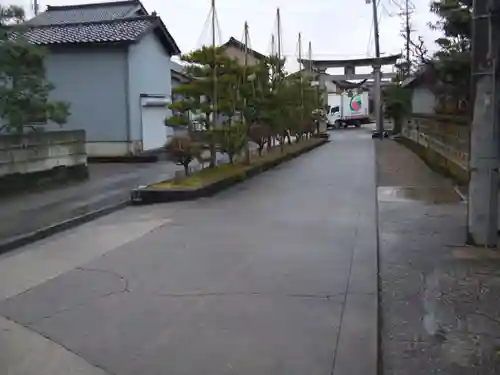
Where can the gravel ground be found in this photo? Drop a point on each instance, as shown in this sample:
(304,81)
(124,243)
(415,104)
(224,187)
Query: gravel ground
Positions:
(440,312)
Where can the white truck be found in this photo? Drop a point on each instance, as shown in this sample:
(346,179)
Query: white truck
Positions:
(348,108)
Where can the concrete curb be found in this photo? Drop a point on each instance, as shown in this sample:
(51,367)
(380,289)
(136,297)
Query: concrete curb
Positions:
(145,195)
(27,238)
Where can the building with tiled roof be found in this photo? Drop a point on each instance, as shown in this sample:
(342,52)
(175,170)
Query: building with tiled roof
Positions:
(94,12)
(236,50)
(112,62)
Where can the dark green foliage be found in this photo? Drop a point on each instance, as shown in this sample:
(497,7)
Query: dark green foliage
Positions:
(24,91)
(246,96)
(397,102)
(452,62)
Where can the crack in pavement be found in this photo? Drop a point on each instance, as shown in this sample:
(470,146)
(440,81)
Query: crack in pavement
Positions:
(125,289)
(109,272)
(345,294)
(257,294)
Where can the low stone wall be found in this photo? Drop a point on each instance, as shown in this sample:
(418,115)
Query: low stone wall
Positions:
(441,141)
(31,159)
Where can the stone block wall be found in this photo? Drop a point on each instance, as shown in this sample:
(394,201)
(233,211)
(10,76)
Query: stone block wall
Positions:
(441,141)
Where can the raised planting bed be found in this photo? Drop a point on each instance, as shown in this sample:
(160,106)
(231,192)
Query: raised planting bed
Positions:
(210,181)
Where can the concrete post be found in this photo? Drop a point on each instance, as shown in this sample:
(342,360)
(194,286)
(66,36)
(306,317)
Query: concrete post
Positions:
(377,73)
(377,100)
(482,213)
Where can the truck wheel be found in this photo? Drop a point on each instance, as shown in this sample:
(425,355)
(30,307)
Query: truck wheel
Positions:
(357,124)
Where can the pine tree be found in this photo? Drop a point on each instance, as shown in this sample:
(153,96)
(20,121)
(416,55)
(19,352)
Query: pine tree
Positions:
(452,62)
(24,90)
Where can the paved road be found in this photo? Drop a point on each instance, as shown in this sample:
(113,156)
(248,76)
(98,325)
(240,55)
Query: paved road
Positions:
(275,276)
(109,184)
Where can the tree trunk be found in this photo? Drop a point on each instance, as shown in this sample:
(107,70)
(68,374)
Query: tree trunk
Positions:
(186,169)
(247,146)
(213,155)
(397,125)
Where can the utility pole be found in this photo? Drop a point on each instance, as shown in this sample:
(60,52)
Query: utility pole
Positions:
(482,210)
(408,36)
(36,7)
(377,72)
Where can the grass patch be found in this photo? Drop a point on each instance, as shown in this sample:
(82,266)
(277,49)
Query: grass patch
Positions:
(220,172)
(200,178)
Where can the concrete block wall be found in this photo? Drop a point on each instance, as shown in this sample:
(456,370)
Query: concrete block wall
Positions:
(41,151)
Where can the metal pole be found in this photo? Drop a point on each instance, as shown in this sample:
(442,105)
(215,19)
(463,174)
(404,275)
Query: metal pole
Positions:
(482,212)
(377,74)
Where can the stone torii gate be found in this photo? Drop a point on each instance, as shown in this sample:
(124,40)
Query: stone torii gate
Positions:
(349,65)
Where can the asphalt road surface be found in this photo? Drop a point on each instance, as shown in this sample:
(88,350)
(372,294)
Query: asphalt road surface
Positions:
(277,275)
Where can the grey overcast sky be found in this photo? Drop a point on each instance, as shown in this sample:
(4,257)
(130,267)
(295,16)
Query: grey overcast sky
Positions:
(336,28)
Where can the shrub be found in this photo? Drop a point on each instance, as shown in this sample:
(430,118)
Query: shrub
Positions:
(183,150)
(259,134)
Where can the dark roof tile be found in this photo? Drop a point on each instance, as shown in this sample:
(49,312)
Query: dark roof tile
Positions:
(57,15)
(123,30)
